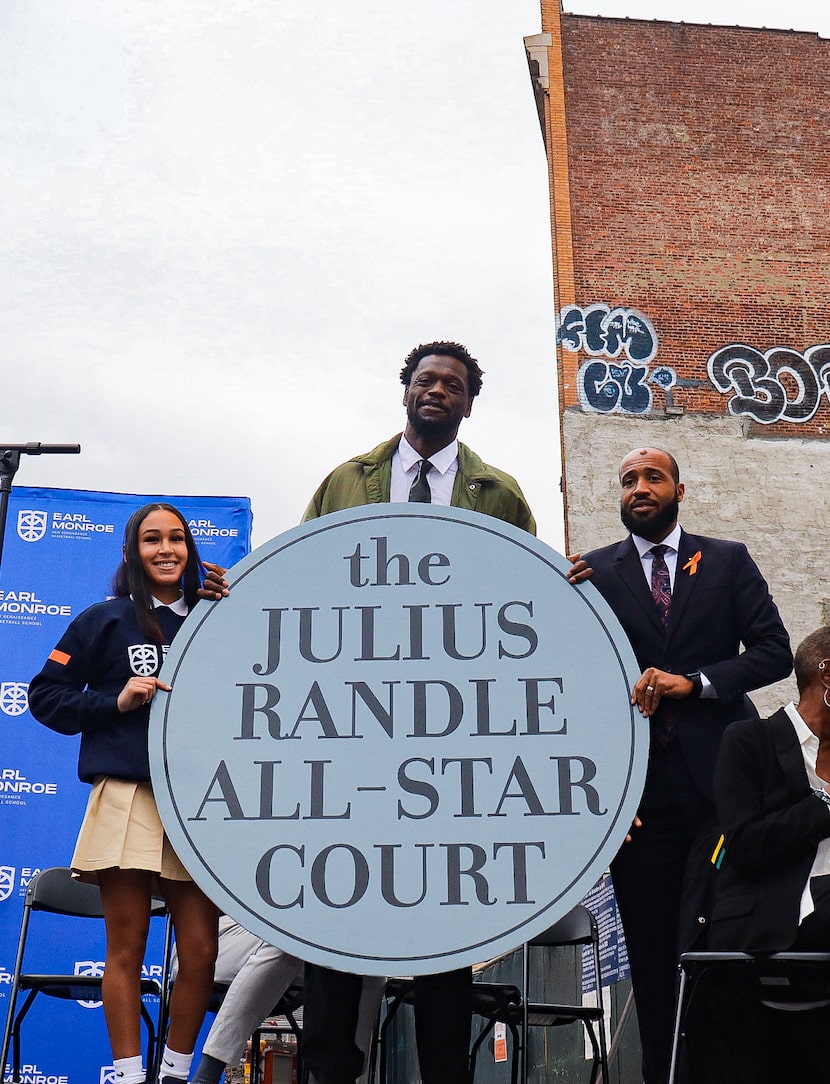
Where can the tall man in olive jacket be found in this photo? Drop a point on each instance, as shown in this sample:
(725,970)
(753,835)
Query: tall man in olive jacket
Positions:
(368,478)
(424,463)
(694,682)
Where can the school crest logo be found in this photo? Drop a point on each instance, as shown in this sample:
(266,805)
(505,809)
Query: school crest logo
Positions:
(108,1075)
(31,524)
(14,698)
(144,659)
(6,882)
(94,968)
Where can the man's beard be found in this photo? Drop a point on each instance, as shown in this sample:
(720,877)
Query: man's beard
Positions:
(657,522)
(445,426)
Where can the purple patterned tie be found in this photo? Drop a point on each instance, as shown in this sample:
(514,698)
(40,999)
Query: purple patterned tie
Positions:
(663,725)
(660,582)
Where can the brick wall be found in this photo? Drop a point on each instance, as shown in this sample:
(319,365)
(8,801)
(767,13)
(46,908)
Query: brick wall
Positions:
(689,171)
(690,193)
(690,179)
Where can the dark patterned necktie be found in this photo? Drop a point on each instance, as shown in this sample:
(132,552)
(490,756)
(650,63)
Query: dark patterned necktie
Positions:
(419,490)
(660,582)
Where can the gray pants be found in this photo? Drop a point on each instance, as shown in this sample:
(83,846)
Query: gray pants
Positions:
(259,975)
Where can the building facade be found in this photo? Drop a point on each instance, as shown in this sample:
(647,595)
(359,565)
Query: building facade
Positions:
(690,188)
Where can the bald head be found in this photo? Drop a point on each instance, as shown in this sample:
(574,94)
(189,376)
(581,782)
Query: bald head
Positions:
(645,455)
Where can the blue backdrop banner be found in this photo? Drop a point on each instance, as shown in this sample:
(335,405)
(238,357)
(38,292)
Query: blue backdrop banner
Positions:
(61,550)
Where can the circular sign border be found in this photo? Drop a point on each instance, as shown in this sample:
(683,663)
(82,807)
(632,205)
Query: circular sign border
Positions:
(567,896)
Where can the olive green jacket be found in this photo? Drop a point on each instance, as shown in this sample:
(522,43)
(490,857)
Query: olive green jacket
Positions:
(367,479)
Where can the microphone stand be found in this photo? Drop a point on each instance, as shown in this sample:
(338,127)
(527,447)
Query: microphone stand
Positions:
(10,461)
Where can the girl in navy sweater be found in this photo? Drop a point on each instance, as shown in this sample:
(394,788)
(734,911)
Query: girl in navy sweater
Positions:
(100,681)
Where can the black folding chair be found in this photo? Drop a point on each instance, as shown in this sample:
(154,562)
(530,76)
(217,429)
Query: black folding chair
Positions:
(502,1002)
(577,927)
(788,981)
(56,892)
(491,1000)
(498,1002)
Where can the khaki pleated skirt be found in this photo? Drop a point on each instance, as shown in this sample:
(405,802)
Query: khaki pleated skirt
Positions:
(122,829)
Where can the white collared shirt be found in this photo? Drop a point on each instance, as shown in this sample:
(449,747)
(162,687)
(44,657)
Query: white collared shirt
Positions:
(178,607)
(809,751)
(441,478)
(671,542)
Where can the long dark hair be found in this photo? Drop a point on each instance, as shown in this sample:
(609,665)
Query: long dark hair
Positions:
(129,577)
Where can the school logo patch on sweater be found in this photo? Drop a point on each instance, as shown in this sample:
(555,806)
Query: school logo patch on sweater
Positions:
(144,659)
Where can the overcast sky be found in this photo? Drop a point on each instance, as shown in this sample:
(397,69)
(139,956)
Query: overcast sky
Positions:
(224,224)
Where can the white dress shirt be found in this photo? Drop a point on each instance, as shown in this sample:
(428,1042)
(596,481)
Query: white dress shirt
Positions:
(809,751)
(178,607)
(671,542)
(441,478)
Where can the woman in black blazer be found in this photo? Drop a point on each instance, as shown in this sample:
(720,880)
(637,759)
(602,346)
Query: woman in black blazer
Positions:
(772,792)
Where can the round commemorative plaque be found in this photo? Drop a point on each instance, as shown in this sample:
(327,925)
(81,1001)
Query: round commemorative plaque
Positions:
(403,744)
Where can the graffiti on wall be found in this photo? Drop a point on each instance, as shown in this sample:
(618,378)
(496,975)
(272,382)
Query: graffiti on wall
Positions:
(780,385)
(621,343)
(605,332)
(622,388)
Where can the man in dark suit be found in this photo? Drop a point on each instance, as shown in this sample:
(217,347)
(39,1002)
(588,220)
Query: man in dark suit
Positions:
(686,607)
(772,795)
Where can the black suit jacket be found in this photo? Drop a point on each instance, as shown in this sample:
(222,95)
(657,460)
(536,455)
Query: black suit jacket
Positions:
(772,824)
(720,600)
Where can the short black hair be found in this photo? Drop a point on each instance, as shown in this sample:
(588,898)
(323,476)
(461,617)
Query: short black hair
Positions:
(675,469)
(445,349)
(814,649)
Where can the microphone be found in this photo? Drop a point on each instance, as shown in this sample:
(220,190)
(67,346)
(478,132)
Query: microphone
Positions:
(34,447)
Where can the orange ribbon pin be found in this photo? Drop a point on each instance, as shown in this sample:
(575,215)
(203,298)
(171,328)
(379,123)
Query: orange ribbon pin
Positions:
(692,564)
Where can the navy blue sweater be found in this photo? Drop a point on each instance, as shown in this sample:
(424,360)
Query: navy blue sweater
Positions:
(77,690)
